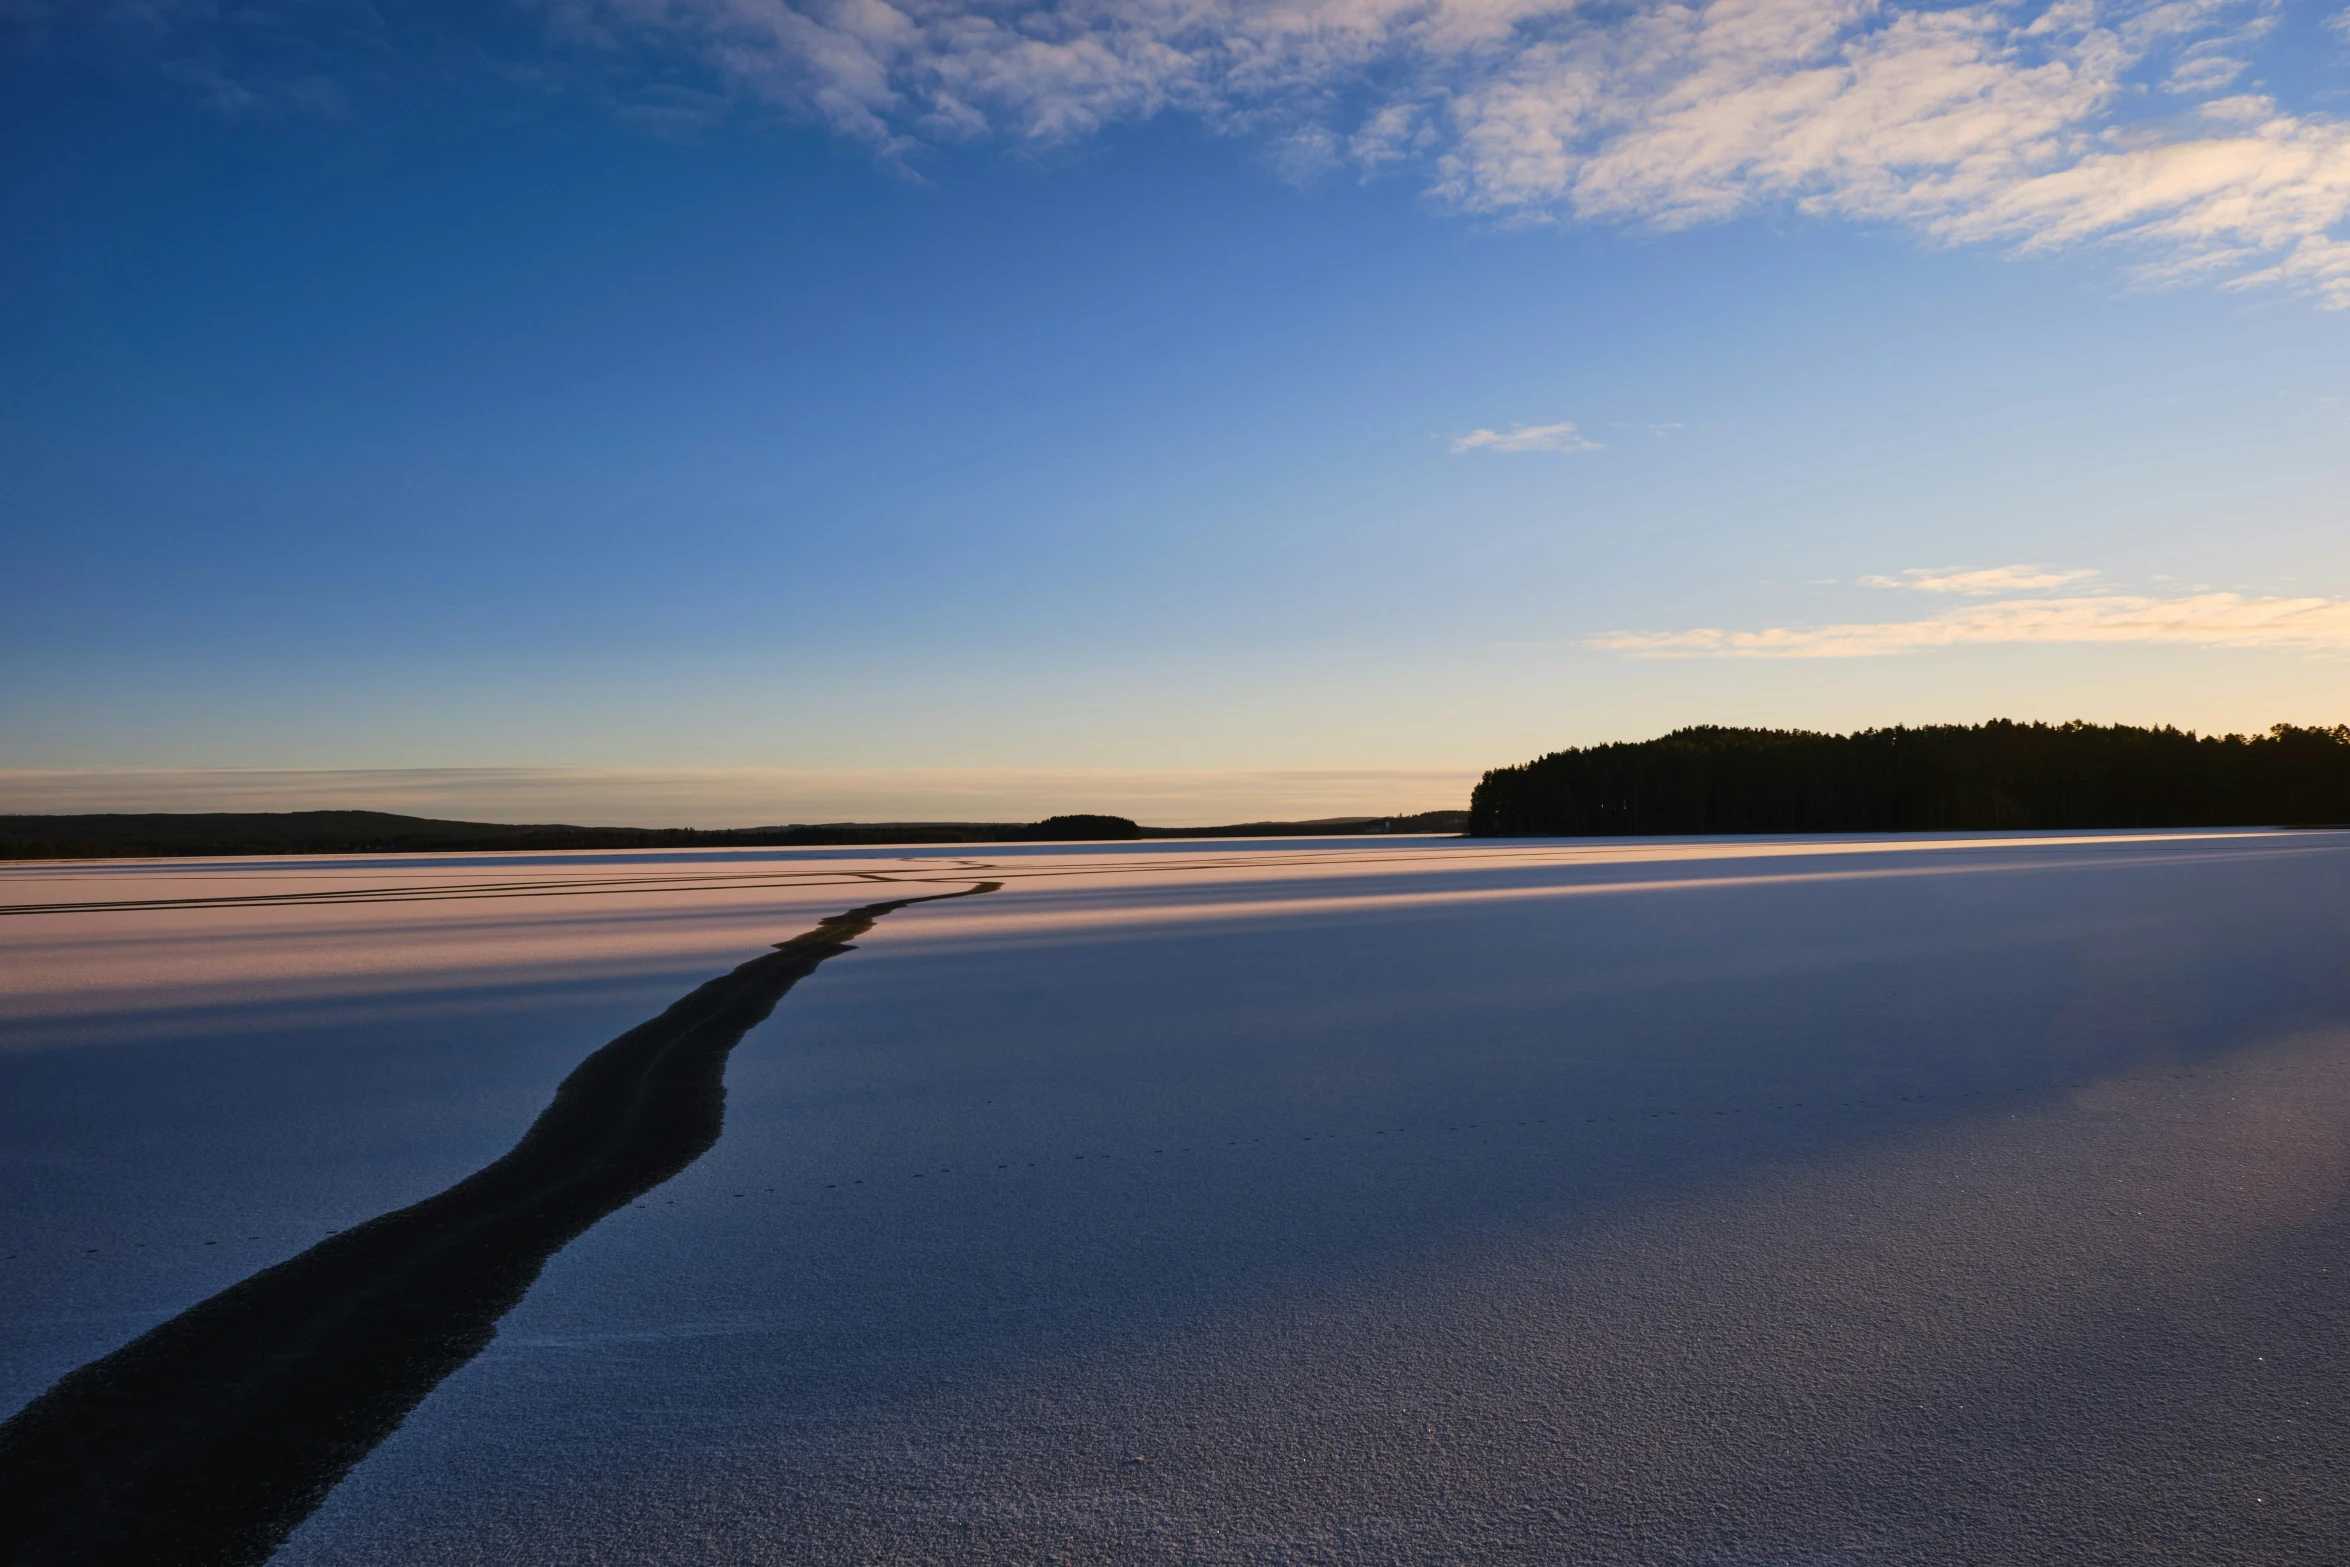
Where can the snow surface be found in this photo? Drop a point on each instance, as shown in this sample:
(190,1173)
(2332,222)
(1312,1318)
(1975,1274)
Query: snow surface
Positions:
(1966,1199)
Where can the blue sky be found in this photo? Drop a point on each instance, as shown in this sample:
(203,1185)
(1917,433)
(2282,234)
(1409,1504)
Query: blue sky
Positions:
(1216,390)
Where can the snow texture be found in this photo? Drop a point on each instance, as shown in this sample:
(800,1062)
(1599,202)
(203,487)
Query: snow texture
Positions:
(1967,1199)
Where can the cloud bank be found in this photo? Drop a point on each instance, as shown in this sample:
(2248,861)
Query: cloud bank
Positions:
(2228,620)
(2036,126)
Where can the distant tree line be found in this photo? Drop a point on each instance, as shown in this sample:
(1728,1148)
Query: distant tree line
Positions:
(158,833)
(1942,777)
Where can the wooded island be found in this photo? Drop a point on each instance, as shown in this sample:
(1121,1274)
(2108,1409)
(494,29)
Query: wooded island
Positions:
(1936,778)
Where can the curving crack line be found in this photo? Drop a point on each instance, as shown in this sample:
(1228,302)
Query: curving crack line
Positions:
(207,1440)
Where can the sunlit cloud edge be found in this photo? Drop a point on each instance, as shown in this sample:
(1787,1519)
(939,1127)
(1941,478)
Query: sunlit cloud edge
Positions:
(2212,620)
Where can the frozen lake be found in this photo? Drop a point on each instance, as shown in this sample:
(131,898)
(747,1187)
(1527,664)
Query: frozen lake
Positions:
(1937,1200)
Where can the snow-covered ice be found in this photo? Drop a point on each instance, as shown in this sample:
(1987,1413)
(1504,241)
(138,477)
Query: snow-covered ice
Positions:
(1968,1199)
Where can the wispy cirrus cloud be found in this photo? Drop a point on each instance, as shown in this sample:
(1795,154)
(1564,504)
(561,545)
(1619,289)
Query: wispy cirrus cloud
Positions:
(2036,125)
(1562,437)
(1970,123)
(2230,620)
(1982,582)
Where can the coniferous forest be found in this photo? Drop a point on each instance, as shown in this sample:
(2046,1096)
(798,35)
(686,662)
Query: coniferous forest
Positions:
(1943,777)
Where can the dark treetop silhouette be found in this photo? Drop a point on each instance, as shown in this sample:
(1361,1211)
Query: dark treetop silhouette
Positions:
(1944,777)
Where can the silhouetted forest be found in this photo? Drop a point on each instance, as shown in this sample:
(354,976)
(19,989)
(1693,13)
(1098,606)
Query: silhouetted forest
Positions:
(1943,777)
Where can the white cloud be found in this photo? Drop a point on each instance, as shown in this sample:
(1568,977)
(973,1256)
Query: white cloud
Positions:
(2205,72)
(1982,583)
(1525,438)
(1982,122)
(2199,620)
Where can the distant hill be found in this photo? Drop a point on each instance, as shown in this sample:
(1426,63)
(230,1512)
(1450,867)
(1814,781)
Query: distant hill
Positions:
(1952,777)
(163,833)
